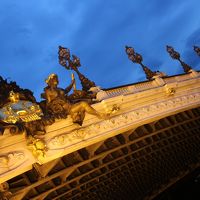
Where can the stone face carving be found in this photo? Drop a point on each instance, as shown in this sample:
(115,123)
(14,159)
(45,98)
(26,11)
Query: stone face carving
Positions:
(11,161)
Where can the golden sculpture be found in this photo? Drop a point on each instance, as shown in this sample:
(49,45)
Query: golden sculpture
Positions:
(37,146)
(170,91)
(13,97)
(58,104)
(19,110)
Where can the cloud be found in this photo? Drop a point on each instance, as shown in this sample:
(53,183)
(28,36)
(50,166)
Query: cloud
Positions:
(96,31)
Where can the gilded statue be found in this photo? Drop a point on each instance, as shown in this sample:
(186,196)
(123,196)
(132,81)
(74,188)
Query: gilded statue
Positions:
(17,110)
(13,100)
(6,87)
(58,103)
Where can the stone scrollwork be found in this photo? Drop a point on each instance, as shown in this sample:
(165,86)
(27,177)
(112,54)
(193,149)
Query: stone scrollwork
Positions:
(79,134)
(10,161)
(64,140)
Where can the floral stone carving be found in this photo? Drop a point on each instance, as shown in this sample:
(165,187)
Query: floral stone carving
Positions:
(11,161)
(120,121)
(38,147)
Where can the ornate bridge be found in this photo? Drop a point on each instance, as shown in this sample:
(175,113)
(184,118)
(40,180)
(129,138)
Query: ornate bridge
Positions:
(149,141)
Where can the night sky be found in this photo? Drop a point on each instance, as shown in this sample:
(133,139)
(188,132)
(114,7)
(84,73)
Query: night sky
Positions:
(97,32)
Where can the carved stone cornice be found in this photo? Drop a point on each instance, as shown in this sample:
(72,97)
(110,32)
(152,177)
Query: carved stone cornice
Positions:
(11,161)
(143,86)
(123,121)
(129,107)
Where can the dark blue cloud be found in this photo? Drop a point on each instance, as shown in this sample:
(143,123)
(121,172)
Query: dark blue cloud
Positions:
(96,31)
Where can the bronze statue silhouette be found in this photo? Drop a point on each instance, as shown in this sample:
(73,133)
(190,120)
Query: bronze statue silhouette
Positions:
(59,105)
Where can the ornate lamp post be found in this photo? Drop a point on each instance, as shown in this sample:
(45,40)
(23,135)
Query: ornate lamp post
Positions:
(175,55)
(197,50)
(73,64)
(137,58)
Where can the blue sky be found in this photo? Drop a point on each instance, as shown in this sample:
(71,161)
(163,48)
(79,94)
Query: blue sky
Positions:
(96,31)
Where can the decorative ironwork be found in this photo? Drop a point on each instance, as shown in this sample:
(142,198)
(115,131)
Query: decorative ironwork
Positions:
(137,58)
(175,55)
(19,111)
(73,64)
(197,50)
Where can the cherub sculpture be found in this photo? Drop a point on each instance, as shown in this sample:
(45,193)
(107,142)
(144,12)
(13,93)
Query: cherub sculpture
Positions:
(59,105)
